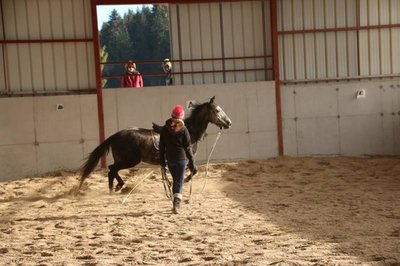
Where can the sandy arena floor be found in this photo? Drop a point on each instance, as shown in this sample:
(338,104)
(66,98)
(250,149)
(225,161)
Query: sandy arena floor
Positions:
(286,211)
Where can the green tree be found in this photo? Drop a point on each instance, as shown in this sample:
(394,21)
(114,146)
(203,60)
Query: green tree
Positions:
(114,36)
(139,36)
(103,59)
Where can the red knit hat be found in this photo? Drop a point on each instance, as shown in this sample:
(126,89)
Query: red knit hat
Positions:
(178,112)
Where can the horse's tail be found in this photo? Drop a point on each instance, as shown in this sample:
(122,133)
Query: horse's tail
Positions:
(94,158)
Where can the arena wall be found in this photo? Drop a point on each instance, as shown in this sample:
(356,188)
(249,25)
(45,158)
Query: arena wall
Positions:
(36,137)
(318,119)
(328,118)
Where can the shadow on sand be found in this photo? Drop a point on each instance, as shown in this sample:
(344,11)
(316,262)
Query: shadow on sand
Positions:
(353,202)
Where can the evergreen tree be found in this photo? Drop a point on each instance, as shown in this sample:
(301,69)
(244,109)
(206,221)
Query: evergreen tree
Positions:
(114,35)
(139,36)
(103,59)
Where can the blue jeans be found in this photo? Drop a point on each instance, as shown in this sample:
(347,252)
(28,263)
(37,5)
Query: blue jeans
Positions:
(177,170)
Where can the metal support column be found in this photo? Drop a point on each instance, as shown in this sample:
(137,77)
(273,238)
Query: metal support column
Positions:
(274,31)
(96,48)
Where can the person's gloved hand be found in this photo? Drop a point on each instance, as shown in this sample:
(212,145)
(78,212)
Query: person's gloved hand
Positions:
(192,167)
(163,166)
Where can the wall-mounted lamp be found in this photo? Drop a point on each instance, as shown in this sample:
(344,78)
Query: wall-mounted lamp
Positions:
(361,94)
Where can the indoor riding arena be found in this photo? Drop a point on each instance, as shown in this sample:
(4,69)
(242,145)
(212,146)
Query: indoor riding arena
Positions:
(307,173)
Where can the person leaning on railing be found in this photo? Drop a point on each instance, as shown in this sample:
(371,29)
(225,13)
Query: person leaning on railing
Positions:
(167,67)
(132,77)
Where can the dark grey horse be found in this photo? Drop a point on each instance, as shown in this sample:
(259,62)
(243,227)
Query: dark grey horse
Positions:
(131,146)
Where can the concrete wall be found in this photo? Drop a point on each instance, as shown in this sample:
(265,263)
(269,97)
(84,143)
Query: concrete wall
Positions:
(318,119)
(36,138)
(328,119)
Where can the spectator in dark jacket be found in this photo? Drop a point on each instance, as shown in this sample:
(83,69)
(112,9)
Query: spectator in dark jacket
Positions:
(176,150)
(167,67)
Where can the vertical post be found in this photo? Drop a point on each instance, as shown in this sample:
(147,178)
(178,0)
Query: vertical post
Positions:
(96,49)
(275,56)
(4,47)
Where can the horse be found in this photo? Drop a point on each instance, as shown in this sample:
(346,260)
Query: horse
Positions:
(134,145)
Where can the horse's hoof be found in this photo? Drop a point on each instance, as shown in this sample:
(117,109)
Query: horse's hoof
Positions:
(187,179)
(118,188)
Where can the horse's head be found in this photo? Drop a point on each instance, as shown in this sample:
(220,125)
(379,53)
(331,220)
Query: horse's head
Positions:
(205,113)
(217,116)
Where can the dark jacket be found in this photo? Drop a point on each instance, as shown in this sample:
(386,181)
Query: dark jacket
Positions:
(175,146)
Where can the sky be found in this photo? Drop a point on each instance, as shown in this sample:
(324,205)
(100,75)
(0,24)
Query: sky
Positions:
(103,12)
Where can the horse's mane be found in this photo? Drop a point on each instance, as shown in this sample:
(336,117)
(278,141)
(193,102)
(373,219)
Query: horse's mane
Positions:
(194,122)
(195,111)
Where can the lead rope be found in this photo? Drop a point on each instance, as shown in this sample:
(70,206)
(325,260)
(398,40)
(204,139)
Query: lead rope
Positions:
(208,160)
(166,183)
(137,184)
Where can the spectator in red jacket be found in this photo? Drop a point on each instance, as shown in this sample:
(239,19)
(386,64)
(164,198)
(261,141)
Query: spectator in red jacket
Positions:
(132,77)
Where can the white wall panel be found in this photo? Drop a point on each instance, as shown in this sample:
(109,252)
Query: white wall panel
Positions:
(21,19)
(33,19)
(319,13)
(48,66)
(87,18)
(175,41)
(56,18)
(262,41)
(227,32)
(320,52)
(2,73)
(195,41)
(91,65)
(185,42)
(13,68)
(82,68)
(60,66)
(1,27)
(355,141)
(317,136)
(339,53)
(374,52)
(71,74)
(221,30)
(237,28)
(80,19)
(68,19)
(10,26)
(25,67)
(395,50)
(217,48)
(38,67)
(352,54)
(45,22)
(248,39)
(342,54)
(206,41)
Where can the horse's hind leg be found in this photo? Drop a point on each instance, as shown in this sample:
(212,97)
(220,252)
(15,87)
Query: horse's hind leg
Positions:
(111,175)
(120,183)
(114,174)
